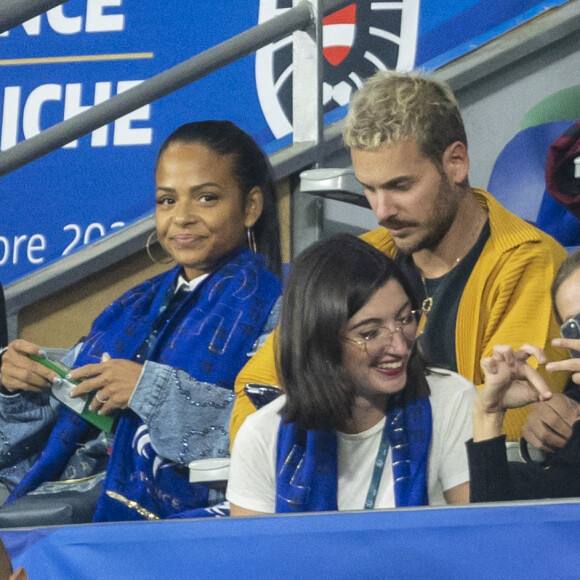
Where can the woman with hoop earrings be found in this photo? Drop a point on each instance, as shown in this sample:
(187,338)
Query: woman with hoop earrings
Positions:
(164,356)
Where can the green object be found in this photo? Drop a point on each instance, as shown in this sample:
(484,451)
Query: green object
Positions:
(80,405)
(563,105)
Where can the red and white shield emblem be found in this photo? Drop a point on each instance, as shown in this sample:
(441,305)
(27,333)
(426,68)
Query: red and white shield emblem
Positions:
(338,31)
(357,40)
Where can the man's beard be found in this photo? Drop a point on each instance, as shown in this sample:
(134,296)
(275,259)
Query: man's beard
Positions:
(439,224)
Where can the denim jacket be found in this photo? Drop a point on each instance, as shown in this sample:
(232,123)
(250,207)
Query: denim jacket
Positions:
(164,398)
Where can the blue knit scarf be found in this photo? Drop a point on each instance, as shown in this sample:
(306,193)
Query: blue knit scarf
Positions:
(307,461)
(208,335)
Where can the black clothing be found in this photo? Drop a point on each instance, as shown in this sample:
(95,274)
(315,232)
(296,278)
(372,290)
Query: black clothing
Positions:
(437,342)
(493,478)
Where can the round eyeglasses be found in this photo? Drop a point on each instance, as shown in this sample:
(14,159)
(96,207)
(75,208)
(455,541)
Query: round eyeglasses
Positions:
(374,341)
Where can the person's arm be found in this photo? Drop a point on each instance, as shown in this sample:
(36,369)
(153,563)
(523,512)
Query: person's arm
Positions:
(252,483)
(236,510)
(187,419)
(113,381)
(489,470)
(457,495)
(517,310)
(451,405)
(20,373)
(27,415)
(550,423)
(26,420)
(260,369)
(493,478)
(510,382)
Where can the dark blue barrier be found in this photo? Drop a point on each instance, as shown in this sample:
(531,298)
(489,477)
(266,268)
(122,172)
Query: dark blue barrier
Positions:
(526,540)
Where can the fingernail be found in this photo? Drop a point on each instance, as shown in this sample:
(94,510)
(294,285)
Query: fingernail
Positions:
(68,377)
(42,352)
(57,380)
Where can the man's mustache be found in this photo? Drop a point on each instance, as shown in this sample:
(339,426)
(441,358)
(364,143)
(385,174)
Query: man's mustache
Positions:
(396,224)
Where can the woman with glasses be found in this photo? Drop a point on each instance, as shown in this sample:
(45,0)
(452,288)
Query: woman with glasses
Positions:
(553,425)
(363,423)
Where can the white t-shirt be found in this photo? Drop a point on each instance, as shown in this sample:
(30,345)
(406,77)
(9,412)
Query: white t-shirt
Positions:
(252,480)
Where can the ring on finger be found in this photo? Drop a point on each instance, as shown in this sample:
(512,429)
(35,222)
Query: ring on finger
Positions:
(102,401)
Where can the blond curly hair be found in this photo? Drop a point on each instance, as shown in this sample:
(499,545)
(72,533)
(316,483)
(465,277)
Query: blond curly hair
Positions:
(393,106)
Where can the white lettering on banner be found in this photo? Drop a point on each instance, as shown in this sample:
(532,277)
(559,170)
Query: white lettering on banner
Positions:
(99,22)
(123,132)
(13,250)
(10,117)
(77,238)
(33,107)
(72,107)
(37,243)
(95,20)
(86,240)
(64,24)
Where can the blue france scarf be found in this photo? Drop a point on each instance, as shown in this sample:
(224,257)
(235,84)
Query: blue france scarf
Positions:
(208,335)
(307,461)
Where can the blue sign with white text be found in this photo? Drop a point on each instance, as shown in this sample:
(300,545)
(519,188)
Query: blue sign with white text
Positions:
(86,51)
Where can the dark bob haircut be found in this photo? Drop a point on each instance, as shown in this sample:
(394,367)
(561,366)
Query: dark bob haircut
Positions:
(328,283)
(252,168)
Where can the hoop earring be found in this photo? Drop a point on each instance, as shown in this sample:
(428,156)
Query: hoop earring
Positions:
(148,244)
(251,240)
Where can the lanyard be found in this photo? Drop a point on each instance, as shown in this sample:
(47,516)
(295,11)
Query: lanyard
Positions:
(378,469)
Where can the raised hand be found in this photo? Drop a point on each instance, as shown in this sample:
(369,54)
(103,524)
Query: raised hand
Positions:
(510,382)
(571,365)
(550,423)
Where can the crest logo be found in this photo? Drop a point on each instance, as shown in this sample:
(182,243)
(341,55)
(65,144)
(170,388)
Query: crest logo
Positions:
(338,34)
(357,40)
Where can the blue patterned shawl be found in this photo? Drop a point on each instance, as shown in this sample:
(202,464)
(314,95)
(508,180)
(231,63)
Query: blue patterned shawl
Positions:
(208,336)
(307,461)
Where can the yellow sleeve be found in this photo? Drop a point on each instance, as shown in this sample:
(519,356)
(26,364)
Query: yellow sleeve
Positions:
(261,369)
(515,308)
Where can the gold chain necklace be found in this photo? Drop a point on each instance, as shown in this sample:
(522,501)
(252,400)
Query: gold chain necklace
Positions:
(427,304)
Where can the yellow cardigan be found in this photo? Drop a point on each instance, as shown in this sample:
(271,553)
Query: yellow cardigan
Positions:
(505,301)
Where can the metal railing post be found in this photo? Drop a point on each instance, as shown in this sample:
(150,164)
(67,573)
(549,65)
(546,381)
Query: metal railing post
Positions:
(15,12)
(307,121)
(307,118)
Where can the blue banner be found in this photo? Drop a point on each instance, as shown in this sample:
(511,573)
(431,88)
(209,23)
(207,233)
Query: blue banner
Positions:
(85,51)
(518,541)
